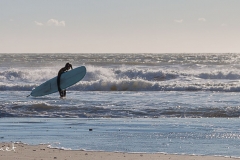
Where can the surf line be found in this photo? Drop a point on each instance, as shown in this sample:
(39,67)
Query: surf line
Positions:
(8,149)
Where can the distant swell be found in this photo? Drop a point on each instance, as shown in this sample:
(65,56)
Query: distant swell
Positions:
(219,75)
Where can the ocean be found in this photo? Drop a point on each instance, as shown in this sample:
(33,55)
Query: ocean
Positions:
(151,103)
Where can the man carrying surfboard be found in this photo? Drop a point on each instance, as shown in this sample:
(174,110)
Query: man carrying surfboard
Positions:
(60,72)
(54,85)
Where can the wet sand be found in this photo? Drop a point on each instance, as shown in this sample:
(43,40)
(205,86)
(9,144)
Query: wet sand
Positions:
(10,151)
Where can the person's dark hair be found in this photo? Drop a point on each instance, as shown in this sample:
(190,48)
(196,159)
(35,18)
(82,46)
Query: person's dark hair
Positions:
(67,65)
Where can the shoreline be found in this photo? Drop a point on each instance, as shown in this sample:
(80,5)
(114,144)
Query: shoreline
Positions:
(20,151)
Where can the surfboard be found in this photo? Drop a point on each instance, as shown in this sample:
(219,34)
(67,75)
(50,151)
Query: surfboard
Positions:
(68,79)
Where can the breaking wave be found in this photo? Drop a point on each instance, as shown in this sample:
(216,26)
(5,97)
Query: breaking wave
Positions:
(128,79)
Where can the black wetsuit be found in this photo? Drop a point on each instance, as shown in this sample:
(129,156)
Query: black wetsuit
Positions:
(60,72)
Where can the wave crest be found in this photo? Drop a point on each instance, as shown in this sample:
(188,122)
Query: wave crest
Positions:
(127,79)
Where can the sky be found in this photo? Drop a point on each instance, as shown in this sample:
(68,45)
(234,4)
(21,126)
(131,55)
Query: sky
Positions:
(119,26)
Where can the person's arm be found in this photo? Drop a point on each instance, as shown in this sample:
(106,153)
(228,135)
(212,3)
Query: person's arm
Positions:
(62,70)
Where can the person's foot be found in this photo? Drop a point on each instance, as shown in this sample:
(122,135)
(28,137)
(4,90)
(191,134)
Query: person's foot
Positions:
(62,94)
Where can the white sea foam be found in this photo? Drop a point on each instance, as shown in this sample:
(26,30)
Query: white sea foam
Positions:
(129,78)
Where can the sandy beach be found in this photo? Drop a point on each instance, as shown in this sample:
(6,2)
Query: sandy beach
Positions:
(13,151)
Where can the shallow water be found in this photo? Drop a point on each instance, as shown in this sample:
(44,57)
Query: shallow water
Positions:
(199,136)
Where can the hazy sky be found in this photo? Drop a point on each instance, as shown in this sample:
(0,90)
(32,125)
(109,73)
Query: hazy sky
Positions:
(119,26)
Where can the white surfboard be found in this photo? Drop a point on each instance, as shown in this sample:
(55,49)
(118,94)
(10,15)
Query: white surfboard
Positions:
(68,79)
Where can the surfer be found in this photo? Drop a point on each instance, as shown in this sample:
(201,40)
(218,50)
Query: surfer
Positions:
(61,71)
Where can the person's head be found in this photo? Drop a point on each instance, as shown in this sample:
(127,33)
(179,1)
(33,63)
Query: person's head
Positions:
(68,66)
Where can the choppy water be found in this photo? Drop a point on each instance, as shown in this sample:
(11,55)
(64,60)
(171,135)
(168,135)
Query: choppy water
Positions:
(121,104)
(124,85)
